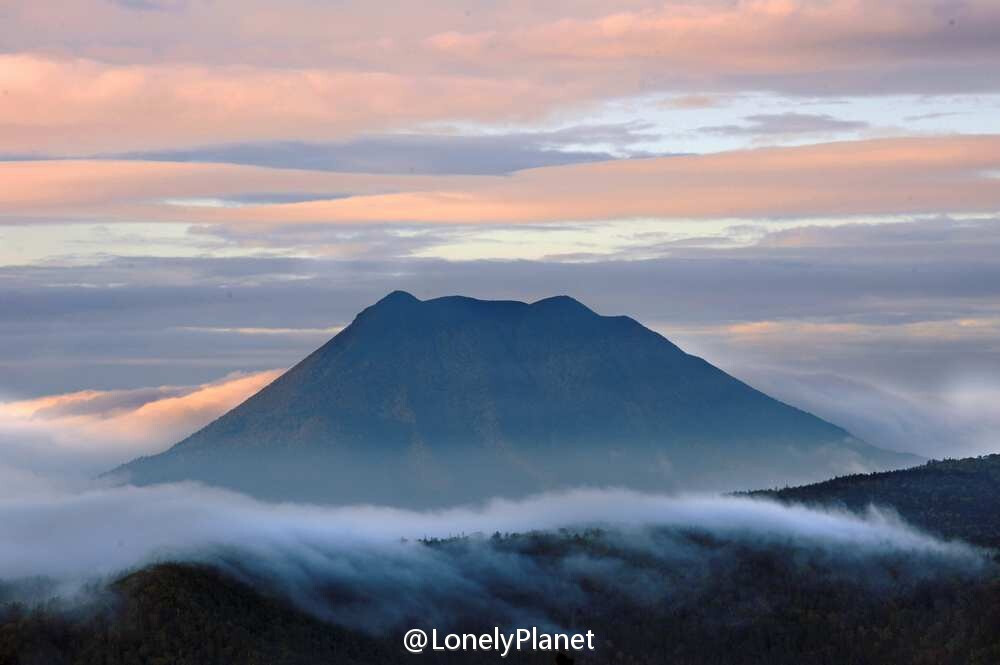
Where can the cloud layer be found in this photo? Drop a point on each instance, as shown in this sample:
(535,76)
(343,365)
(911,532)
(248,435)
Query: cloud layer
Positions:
(117,83)
(914,175)
(360,565)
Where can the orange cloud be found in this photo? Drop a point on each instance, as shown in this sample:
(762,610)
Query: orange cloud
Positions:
(125,423)
(862,177)
(692,102)
(98,187)
(796,334)
(885,176)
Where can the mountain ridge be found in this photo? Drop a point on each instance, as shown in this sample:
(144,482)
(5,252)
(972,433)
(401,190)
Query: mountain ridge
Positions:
(454,399)
(950,498)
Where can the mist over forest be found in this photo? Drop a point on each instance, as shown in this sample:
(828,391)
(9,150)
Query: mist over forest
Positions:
(608,560)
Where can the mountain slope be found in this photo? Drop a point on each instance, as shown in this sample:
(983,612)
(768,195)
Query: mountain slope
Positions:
(950,498)
(422,403)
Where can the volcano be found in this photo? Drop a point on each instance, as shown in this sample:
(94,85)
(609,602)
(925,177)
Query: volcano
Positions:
(452,400)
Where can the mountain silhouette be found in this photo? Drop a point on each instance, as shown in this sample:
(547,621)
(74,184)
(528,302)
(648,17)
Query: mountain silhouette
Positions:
(428,403)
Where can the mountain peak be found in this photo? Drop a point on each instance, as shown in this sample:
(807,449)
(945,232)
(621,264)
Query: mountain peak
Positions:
(454,399)
(557,302)
(398,297)
(561,298)
(563,303)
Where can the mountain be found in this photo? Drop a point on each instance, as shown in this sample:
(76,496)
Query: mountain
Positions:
(428,403)
(949,498)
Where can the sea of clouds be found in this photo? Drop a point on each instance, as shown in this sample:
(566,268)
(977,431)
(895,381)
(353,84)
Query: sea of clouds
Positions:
(366,567)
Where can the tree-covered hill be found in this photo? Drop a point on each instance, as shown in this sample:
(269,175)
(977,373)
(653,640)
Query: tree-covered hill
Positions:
(954,498)
(736,603)
(175,614)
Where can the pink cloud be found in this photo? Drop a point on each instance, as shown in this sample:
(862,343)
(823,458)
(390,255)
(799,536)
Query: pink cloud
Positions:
(100,187)
(80,106)
(912,175)
(885,176)
(89,76)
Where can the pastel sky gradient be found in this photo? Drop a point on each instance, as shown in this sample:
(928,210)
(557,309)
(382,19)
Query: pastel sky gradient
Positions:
(196,193)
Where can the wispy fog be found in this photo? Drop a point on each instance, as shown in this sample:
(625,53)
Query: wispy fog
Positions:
(362,565)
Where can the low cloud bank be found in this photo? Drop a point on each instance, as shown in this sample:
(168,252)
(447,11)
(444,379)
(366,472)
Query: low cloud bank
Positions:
(362,565)
(69,437)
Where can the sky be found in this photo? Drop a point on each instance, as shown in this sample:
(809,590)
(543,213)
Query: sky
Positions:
(196,194)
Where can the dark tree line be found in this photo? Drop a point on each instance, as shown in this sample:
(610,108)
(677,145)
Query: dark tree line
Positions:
(951,498)
(758,605)
(718,602)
